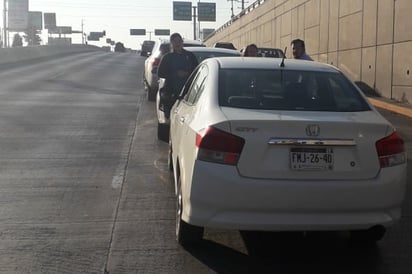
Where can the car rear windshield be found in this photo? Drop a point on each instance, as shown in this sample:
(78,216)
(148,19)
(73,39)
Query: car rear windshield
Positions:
(165,47)
(202,55)
(289,90)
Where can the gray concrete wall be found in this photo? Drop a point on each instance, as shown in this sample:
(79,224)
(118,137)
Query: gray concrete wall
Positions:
(369,40)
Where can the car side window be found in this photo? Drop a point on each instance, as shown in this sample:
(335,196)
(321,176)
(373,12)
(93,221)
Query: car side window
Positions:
(188,84)
(197,85)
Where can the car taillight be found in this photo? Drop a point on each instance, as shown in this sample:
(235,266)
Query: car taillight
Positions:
(218,146)
(155,62)
(391,150)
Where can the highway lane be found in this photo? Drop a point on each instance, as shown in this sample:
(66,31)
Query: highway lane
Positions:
(84,186)
(66,127)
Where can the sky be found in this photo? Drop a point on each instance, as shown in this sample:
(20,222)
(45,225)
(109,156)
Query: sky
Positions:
(117,17)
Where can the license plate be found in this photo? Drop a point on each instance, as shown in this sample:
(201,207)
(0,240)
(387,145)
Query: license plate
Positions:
(311,158)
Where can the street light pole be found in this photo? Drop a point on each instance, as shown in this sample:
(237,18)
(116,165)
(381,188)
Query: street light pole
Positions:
(5,36)
(231,8)
(150,34)
(82,33)
(194,23)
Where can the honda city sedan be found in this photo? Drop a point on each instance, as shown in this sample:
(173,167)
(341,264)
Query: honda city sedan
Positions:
(282,145)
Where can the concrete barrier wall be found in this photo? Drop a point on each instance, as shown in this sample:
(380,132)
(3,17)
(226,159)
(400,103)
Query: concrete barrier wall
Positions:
(369,40)
(18,54)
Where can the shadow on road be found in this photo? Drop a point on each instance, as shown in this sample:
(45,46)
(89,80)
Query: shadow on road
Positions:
(317,253)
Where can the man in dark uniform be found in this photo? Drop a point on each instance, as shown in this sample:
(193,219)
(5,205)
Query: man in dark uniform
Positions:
(175,67)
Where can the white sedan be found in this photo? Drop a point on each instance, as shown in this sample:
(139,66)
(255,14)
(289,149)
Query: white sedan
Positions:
(282,145)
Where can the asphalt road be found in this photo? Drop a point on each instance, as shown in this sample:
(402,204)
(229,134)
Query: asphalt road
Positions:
(84,186)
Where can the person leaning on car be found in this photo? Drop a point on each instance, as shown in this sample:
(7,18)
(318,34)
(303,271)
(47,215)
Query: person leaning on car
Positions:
(175,67)
(250,50)
(299,50)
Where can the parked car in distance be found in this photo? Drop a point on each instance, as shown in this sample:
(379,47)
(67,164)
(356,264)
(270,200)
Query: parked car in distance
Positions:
(119,47)
(160,48)
(147,47)
(201,54)
(282,145)
(225,45)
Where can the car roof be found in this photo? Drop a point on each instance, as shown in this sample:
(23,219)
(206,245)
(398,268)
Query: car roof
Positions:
(185,41)
(223,43)
(207,49)
(259,48)
(270,63)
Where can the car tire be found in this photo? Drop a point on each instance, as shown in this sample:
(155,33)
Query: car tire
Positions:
(186,234)
(151,94)
(163,132)
(169,157)
(371,235)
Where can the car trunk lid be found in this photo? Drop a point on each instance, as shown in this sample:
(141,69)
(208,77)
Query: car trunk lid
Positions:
(308,145)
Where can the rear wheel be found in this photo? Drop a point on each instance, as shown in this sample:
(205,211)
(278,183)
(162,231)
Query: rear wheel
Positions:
(151,94)
(186,234)
(169,157)
(163,132)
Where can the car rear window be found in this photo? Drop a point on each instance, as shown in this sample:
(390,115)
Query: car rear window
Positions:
(165,47)
(289,90)
(200,56)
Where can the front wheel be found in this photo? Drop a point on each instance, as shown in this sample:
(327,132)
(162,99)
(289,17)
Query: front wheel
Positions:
(163,132)
(151,94)
(186,234)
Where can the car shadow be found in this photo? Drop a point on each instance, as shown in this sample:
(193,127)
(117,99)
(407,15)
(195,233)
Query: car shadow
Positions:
(274,252)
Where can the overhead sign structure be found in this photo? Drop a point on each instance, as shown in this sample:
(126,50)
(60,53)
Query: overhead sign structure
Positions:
(182,11)
(35,20)
(49,20)
(95,36)
(59,41)
(206,11)
(91,37)
(162,31)
(207,32)
(61,30)
(137,32)
(18,15)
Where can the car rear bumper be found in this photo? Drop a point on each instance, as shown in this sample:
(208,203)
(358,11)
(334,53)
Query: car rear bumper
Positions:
(220,198)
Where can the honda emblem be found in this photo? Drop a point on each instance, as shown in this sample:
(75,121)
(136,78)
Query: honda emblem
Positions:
(313,130)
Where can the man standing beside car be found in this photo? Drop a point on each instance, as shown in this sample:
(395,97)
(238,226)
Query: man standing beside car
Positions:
(299,50)
(175,67)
